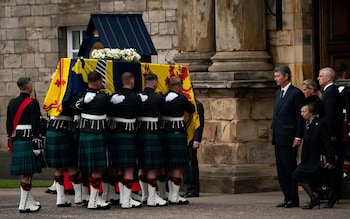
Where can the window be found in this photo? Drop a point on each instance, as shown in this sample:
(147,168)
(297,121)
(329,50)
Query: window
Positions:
(74,38)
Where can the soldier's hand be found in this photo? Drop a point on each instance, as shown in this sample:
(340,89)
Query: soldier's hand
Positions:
(89,96)
(116,98)
(171,96)
(143,97)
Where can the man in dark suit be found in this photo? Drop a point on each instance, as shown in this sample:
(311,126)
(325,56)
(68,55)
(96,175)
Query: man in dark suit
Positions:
(287,132)
(191,170)
(332,104)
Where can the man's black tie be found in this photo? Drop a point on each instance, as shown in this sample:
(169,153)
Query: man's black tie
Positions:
(282,92)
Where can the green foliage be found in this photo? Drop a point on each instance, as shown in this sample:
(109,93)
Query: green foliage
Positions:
(16,184)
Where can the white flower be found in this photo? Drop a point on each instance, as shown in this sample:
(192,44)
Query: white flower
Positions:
(129,54)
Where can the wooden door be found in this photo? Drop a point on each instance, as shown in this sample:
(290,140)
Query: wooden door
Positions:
(332,33)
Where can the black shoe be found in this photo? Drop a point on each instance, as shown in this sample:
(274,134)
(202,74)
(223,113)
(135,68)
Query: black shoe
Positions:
(312,204)
(49,191)
(190,195)
(332,200)
(282,204)
(292,204)
(179,202)
(183,195)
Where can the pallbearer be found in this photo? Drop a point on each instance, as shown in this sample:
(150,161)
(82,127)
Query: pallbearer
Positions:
(92,150)
(174,138)
(125,106)
(150,155)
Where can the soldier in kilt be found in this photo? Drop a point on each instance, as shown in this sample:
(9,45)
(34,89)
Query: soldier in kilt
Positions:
(174,138)
(122,143)
(150,154)
(92,149)
(61,152)
(26,159)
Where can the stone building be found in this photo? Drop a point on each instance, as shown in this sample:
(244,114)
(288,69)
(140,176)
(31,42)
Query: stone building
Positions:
(230,48)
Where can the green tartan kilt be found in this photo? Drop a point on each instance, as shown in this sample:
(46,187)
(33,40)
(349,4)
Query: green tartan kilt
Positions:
(60,150)
(175,149)
(122,150)
(92,154)
(150,153)
(23,159)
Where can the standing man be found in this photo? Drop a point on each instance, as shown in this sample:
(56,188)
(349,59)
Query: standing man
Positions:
(174,139)
(191,169)
(23,128)
(332,104)
(341,73)
(122,141)
(287,132)
(150,154)
(92,150)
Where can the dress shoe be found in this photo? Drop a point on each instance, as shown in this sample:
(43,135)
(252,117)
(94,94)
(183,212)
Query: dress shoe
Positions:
(49,191)
(292,204)
(332,200)
(282,204)
(312,204)
(183,195)
(190,195)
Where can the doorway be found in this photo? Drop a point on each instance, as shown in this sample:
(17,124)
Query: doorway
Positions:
(331,33)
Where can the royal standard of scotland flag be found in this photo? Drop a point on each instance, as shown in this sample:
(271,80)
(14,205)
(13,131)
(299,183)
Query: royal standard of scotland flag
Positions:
(70,77)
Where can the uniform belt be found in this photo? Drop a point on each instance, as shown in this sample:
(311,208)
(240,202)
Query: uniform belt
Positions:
(65,118)
(23,127)
(172,119)
(93,117)
(117,119)
(148,119)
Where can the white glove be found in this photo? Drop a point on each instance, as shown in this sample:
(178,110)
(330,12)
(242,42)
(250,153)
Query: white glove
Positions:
(36,152)
(171,96)
(341,88)
(143,97)
(89,96)
(116,98)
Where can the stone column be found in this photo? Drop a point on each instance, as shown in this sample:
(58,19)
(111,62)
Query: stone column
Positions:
(241,38)
(196,34)
(240,113)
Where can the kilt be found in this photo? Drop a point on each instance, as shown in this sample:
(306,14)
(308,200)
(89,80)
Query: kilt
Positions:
(60,150)
(23,159)
(149,151)
(92,155)
(175,149)
(122,150)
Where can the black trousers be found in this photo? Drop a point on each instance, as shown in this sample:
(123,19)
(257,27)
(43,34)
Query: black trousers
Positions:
(191,173)
(286,164)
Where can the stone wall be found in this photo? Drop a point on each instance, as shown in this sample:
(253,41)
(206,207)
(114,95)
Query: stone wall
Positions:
(293,44)
(236,155)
